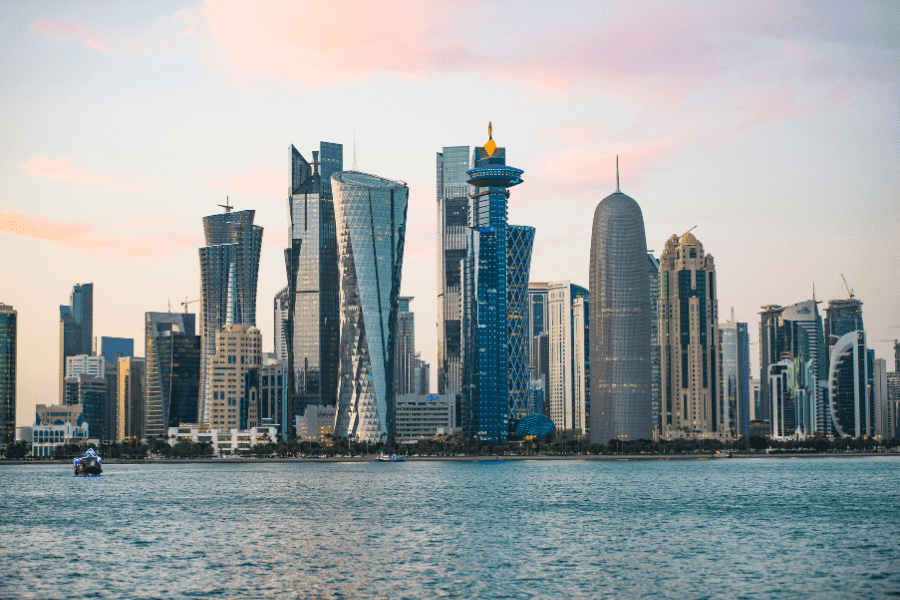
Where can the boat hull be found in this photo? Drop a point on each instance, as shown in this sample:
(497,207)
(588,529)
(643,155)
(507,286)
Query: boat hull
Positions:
(88,468)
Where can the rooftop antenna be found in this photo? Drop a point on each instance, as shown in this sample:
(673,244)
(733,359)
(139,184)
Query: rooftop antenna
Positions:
(617,174)
(732,315)
(227,206)
(354,151)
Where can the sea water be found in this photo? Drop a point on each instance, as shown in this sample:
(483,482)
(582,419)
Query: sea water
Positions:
(739,528)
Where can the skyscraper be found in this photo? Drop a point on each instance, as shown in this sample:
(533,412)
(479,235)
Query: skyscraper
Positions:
(581,365)
(235,379)
(561,329)
(619,322)
(735,380)
(173,366)
(281,320)
(404,348)
(849,394)
(452,206)
(655,371)
(689,337)
(485,298)
(114,348)
(76,328)
(8,335)
(795,333)
(371,225)
(131,399)
(229,270)
(519,242)
(313,281)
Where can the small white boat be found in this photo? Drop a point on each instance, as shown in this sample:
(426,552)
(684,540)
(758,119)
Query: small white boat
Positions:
(391,457)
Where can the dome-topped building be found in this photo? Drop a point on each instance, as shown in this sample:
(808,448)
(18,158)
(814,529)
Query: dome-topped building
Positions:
(619,322)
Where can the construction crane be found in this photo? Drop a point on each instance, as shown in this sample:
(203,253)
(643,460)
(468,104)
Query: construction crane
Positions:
(186,302)
(849,291)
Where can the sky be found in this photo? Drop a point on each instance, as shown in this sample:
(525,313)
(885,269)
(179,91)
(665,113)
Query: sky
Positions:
(774,128)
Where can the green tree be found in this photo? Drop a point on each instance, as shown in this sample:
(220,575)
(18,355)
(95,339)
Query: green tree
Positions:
(18,450)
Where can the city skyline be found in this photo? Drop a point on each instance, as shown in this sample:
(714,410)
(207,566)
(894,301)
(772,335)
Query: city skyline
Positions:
(87,207)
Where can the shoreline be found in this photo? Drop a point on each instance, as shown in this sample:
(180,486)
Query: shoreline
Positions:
(471,459)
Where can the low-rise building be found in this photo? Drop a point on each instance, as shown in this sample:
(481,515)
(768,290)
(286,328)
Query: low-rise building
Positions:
(224,441)
(47,434)
(316,424)
(419,416)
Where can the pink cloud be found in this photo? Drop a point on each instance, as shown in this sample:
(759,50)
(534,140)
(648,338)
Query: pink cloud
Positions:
(63,170)
(69,32)
(146,247)
(270,183)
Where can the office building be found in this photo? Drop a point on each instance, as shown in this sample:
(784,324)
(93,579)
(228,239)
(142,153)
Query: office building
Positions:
(755,399)
(785,409)
(76,328)
(234,399)
(519,243)
(272,387)
(655,373)
(173,371)
(452,209)
(316,424)
(485,404)
(561,328)
(223,441)
(114,348)
(404,348)
(619,322)
(420,416)
(89,364)
(537,317)
(879,397)
(371,224)
(581,366)
(734,348)
(8,336)
(795,332)
(229,270)
(281,321)
(91,393)
(850,399)
(131,398)
(892,391)
(689,338)
(313,280)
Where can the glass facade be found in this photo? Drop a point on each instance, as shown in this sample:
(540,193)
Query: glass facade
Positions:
(619,323)
(8,333)
(735,360)
(534,426)
(519,243)
(452,209)
(655,375)
(851,403)
(173,365)
(76,328)
(229,271)
(371,225)
(91,393)
(485,393)
(313,327)
(113,348)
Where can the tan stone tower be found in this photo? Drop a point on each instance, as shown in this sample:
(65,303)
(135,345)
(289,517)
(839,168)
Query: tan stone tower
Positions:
(689,343)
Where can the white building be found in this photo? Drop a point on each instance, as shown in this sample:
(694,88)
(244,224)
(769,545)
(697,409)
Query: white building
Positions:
(316,424)
(224,441)
(46,437)
(96,366)
(561,383)
(420,416)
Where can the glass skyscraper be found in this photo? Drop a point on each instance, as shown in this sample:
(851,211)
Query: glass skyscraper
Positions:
(734,346)
(313,328)
(655,373)
(452,208)
(229,271)
(519,242)
(485,404)
(173,358)
(619,322)
(8,334)
(76,328)
(371,225)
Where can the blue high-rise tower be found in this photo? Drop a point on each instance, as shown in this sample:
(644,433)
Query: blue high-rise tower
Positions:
(485,363)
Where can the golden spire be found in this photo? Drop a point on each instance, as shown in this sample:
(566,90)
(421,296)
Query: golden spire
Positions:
(490,146)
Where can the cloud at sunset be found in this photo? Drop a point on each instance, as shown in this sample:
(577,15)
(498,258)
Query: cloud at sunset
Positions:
(141,243)
(69,32)
(269,183)
(63,170)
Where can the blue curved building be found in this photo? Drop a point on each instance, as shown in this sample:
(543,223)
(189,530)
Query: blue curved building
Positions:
(534,425)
